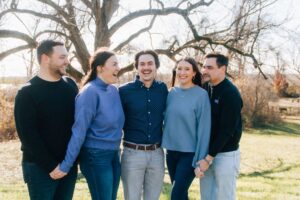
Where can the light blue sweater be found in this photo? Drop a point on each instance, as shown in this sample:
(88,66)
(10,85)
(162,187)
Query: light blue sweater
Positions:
(187,122)
(99,120)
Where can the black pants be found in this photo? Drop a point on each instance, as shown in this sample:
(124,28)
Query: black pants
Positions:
(181,173)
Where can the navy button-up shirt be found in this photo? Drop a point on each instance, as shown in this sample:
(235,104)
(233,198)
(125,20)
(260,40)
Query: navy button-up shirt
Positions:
(144,111)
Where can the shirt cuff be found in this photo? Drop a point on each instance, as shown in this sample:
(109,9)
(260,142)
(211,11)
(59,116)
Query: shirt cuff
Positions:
(64,167)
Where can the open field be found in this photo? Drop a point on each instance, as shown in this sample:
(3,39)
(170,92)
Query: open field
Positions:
(270,167)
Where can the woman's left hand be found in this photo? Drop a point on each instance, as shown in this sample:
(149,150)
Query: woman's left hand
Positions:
(198,172)
(57,173)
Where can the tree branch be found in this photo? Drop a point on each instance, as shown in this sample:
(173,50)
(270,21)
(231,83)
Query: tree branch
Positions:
(128,68)
(75,73)
(165,11)
(88,4)
(51,31)
(109,7)
(160,3)
(181,2)
(31,12)
(56,7)
(15,50)
(121,45)
(18,35)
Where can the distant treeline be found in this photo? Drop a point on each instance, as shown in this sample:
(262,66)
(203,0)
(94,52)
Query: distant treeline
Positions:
(13,80)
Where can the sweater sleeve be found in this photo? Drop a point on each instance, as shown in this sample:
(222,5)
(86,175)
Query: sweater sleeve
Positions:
(231,108)
(26,119)
(203,128)
(85,111)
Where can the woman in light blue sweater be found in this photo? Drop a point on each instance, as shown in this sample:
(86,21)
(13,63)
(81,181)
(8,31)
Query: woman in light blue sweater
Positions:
(186,126)
(97,131)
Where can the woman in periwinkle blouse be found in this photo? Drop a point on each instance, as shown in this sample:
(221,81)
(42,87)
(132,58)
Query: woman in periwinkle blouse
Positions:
(186,127)
(97,131)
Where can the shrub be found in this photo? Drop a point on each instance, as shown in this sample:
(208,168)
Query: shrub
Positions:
(256,93)
(7,125)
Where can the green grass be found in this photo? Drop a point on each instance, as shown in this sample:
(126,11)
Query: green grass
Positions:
(270,168)
(284,128)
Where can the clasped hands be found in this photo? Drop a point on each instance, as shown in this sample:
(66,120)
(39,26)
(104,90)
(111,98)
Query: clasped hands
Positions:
(199,171)
(202,166)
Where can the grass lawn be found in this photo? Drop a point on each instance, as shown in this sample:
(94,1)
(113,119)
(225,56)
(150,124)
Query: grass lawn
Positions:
(270,167)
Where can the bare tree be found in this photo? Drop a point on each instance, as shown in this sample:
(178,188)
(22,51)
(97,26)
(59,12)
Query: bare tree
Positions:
(29,63)
(256,97)
(85,23)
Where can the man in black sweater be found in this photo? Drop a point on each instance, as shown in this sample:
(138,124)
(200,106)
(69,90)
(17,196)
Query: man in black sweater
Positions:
(44,114)
(221,165)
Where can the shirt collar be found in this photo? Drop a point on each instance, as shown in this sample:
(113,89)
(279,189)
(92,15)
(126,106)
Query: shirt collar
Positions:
(140,84)
(220,85)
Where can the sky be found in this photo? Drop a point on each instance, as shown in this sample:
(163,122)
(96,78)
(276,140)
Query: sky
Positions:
(15,65)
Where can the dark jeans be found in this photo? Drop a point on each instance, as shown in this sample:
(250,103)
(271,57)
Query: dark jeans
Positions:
(181,173)
(42,187)
(102,171)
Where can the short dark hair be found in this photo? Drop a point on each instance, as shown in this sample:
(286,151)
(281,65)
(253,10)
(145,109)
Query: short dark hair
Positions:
(220,59)
(46,47)
(151,52)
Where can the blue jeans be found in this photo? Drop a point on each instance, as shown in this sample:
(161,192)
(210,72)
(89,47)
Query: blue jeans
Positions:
(219,181)
(102,171)
(142,173)
(181,173)
(42,187)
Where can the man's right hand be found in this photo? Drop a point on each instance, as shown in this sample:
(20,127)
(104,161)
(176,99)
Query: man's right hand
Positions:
(203,164)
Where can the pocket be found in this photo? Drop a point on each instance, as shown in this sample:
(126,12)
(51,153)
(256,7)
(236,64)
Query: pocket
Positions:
(159,156)
(131,155)
(161,150)
(162,154)
(129,151)
(97,156)
(237,164)
(33,173)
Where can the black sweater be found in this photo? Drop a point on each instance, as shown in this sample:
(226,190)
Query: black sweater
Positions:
(226,105)
(44,114)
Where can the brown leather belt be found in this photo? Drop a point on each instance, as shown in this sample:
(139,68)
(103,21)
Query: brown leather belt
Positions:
(147,147)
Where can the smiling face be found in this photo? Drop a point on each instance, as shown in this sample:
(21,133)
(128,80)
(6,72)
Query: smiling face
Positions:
(146,69)
(185,74)
(57,62)
(211,72)
(109,71)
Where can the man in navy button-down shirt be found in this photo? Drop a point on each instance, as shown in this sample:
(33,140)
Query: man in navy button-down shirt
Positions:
(144,102)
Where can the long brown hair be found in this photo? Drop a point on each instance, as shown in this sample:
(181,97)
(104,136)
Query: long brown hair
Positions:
(98,59)
(197,78)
